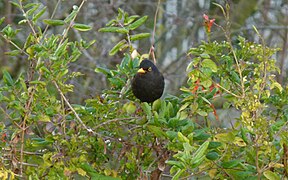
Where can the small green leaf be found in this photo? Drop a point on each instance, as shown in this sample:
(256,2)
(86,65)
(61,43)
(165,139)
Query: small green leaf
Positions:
(206,83)
(54,22)
(175,163)
(212,155)
(202,113)
(111,22)
(82,27)
(15,4)
(139,36)
(204,56)
(209,64)
(156,130)
(171,134)
(103,71)
(38,82)
(32,10)
(13,53)
(147,109)
(214,144)
(235,77)
(130,108)
(2,20)
(271,175)
(7,78)
(137,23)
(277,85)
(39,14)
(231,164)
(114,30)
(178,174)
(117,47)
(182,138)
(71,15)
(206,100)
(120,14)
(200,151)
(130,19)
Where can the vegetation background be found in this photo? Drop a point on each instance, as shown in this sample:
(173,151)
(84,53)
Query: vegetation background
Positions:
(179,27)
(67,110)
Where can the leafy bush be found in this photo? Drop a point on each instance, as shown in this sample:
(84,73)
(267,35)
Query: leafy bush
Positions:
(115,136)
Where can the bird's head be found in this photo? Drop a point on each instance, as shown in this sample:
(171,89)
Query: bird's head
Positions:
(147,66)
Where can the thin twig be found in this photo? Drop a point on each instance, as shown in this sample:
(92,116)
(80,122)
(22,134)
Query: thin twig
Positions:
(72,109)
(23,125)
(153,33)
(53,14)
(71,23)
(28,20)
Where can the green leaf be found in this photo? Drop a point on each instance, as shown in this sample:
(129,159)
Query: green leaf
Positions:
(201,135)
(15,4)
(103,70)
(93,174)
(225,137)
(202,113)
(117,47)
(200,151)
(71,16)
(38,82)
(235,77)
(147,109)
(182,138)
(111,22)
(231,164)
(130,19)
(39,14)
(156,130)
(277,85)
(2,20)
(54,22)
(171,134)
(214,145)
(206,83)
(81,27)
(120,14)
(32,10)
(209,64)
(7,78)
(178,174)
(212,155)
(204,56)
(137,23)
(206,100)
(114,30)
(13,53)
(271,175)
(176,163)
(139,36)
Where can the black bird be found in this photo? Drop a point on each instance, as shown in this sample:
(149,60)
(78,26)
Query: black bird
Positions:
(148,83)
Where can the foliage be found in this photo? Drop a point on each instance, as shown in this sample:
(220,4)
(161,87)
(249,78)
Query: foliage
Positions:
(115,136)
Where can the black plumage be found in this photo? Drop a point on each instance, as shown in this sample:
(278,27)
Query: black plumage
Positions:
(148,83)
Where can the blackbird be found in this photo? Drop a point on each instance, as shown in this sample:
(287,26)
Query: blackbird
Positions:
(148,83)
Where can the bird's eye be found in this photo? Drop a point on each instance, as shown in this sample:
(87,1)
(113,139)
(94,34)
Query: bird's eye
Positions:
(149,69)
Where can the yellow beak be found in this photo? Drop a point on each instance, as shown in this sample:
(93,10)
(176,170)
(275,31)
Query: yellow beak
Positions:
(141,70)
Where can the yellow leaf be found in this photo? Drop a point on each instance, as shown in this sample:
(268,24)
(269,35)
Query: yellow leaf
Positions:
(276,165)
(239,142)
(81,172)
(212,173)
(3,175)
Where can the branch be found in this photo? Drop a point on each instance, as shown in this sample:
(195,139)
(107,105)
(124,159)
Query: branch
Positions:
(72,109)
(153,33)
